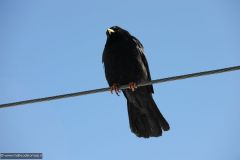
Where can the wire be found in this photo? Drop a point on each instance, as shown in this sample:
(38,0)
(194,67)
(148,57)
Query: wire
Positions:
(168,79)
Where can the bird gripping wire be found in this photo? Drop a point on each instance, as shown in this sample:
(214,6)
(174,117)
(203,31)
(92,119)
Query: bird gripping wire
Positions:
(168,79)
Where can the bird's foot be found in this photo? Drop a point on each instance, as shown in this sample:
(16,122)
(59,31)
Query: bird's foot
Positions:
(115,88)
(132,86)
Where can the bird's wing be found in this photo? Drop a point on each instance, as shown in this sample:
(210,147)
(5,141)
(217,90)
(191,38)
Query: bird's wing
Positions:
(141,51)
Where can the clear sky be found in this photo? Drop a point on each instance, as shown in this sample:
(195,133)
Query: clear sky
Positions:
(50,47)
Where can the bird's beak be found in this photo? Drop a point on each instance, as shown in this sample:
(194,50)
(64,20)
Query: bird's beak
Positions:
(110,31)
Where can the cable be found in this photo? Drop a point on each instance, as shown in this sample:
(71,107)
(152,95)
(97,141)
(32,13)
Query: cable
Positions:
(168,79)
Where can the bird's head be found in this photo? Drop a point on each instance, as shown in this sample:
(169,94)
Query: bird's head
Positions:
(116,32)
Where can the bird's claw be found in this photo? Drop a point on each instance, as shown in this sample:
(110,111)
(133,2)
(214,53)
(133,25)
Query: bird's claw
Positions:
(132,86)
(115,88)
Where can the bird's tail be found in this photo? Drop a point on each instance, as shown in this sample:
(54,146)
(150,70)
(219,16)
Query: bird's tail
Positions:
(145,119)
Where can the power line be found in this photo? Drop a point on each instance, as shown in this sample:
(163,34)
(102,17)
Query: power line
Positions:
(168,79)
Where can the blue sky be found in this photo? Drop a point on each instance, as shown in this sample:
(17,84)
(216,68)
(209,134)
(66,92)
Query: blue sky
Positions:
(51,47)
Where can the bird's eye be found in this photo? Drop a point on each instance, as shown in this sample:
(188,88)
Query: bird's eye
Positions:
(116,29)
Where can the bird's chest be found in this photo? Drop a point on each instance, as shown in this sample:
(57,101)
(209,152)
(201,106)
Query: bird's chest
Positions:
(122,59)
(122,62)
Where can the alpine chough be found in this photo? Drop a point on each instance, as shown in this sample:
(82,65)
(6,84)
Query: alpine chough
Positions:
(125,63)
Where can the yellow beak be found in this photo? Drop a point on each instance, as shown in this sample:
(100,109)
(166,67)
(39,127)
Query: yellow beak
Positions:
(110,31)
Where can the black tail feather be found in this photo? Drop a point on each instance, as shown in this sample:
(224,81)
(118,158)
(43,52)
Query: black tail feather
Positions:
(145,119)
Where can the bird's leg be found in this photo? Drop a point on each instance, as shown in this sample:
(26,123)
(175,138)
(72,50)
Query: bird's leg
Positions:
(115,88)
(132,86)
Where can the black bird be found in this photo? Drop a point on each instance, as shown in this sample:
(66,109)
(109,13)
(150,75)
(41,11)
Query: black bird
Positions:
(125,63)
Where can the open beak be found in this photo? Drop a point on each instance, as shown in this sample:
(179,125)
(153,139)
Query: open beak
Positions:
(110,31)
